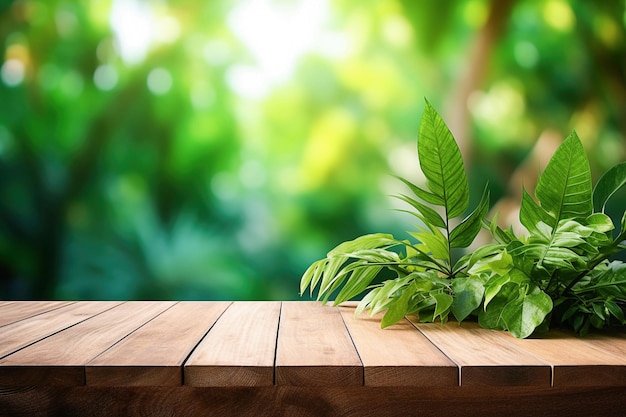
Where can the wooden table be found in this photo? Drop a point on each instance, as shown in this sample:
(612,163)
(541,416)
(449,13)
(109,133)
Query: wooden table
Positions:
(109,358)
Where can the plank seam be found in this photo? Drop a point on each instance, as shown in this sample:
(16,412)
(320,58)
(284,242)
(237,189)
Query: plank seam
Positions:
(59,331)
(460,368)
(355,348)
(184,362)
(127,335)
(280,314)
(69,303)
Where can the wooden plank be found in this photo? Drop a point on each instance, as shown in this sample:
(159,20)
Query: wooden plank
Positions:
(60,358)
(595,360)
(314,347)
(239,350)
(154,354)
(303,401)
(17,335)
(486,357)
(398,355)
(16,311)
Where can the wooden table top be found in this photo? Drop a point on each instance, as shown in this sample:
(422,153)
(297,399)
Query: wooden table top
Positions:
(246,344)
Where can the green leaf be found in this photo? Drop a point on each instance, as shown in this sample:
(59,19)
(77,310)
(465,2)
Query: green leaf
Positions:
(493,288)
(491,317)
(499,262)
(361,277)
(608,184)
(331,278)
(398,308)
(464,234)
(526,313)
(564,188)
(443,302)
(428,215)
(531,213)
(468,293)
(441,162)
(312,275)
(615,310)
(600,223)
(383,294)
(423,194)
(502,236)
(434,242)
(371,241)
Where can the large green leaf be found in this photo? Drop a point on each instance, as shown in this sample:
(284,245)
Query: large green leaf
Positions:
(443,302)
(362,276)
(434,242)
(526,313)
(609,184)
(464,234)
(531,214)
(468,293)
(441,162)
(564,188)
(398,308)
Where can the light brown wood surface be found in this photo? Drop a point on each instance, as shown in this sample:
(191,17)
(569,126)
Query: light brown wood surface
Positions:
(486,357)
(298,344)
(60,358)
(596,359)
(315,348)
(17,335)
(12,313)
(154,353)
(239,350)
(405,356)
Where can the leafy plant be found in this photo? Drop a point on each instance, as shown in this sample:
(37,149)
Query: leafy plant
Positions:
(560,273)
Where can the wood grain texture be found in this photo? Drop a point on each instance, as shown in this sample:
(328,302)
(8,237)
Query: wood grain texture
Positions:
(239,350)
(291,401)
(595,360)
(61,357)
(486,357)
(154,354)
(314,347)
(17,335)
(19,310)
(398,355)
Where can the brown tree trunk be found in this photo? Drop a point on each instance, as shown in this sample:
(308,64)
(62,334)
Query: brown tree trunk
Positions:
(457,111)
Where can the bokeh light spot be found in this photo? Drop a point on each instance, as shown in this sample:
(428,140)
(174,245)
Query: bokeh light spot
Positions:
(526,54)
(105,77)
(252,174)
(475,13)
(559,15)
(13,72)
(132,22)
(159,81)
(66,22)
(247,81)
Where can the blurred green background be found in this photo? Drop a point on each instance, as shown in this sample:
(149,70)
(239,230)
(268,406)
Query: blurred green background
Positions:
(214,149)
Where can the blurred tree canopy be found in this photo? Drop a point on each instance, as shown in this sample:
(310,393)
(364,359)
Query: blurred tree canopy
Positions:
(213,149)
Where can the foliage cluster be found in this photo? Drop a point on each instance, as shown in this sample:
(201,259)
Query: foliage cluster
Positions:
(558,274)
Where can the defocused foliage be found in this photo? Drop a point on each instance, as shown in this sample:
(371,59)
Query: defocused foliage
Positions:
(206,150)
